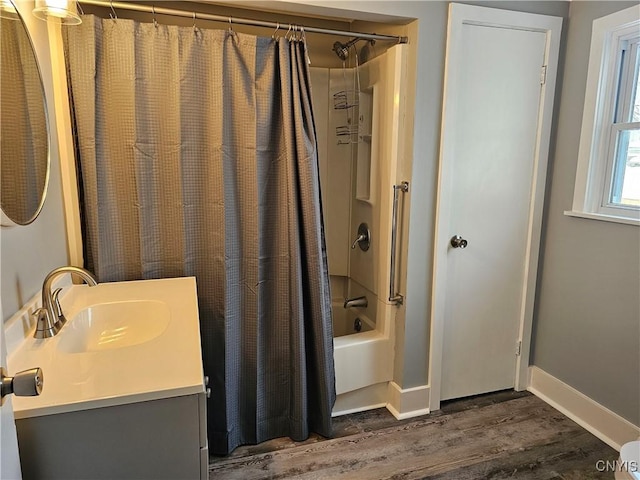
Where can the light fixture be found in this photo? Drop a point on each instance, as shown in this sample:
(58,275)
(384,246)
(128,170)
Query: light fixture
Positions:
(8,10)
(64,11)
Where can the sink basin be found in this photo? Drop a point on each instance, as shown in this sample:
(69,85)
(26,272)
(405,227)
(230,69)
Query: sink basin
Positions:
(123,342)
(108,326)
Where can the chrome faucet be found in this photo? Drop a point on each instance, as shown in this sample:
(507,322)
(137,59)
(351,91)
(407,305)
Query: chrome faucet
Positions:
(50,318)
(356,302)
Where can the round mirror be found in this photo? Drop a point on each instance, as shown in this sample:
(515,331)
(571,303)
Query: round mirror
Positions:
(24,138)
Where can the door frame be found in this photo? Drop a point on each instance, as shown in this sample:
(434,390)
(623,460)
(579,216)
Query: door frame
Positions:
(459,15)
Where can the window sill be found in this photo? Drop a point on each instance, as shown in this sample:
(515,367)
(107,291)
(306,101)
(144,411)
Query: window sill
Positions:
(602,217)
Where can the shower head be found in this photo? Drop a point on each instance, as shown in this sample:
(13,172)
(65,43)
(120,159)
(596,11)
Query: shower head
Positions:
(342,50)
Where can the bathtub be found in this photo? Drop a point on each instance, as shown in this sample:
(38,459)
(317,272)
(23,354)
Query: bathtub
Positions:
(350,321)
(363,359)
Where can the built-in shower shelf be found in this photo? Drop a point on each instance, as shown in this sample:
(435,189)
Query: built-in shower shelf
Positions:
(347,134)
(345,99)
(364,167)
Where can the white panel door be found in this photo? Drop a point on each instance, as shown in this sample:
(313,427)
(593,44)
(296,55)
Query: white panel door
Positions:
(491,160)
(9,459)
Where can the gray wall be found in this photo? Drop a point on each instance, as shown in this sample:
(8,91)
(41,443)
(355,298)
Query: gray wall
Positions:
(28,253)
(587,321)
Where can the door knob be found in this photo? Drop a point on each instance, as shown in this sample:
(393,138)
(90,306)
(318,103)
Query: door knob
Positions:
(458,242)
(27,383)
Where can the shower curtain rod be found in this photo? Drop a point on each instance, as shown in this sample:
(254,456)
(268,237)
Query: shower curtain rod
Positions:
(240,21)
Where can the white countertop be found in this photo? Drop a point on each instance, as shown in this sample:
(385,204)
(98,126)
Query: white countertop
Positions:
(168,365)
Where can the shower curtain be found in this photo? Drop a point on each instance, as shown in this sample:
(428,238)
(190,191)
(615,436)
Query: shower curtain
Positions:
(197,156)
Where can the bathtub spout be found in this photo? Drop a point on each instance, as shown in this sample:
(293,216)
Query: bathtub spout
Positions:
(356,302)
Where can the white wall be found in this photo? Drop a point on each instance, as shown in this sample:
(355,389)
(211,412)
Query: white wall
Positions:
(28,253)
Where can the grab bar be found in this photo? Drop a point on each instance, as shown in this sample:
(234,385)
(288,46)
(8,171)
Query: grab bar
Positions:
(394,296)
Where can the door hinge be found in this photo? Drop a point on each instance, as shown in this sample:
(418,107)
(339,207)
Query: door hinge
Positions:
(518,348)
(543,75)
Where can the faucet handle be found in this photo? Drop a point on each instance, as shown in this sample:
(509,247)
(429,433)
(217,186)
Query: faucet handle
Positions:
(364,238)
(56,302)
(360,238)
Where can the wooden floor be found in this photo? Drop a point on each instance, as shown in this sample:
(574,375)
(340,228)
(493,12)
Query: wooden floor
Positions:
(495,436)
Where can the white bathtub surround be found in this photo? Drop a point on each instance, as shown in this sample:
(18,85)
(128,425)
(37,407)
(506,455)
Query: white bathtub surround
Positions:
(361,360)
(344,319)
(361,400)
(602,422)
(375,308)
(358,116)
(364,361)
(97,378)
(366,358)
(408,402)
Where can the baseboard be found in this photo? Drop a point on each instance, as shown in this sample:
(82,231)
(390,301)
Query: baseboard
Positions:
(608,426)
(409,402)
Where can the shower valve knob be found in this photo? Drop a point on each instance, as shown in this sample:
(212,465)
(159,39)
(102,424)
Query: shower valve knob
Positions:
(363,240)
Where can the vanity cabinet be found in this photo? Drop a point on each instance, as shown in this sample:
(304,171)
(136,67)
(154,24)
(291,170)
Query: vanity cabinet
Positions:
(124,395)
(158,439)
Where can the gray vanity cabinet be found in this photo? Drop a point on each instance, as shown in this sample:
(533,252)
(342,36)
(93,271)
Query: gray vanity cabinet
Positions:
(157,439)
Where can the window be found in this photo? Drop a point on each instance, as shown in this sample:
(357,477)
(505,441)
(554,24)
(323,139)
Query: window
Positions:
(608,174)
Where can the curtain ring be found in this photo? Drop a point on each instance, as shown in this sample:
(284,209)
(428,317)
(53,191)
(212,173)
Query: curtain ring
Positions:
(195,28)
(286,35)
(273,36)
(153,10)
(230,23)
(306,47)
(113,14)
